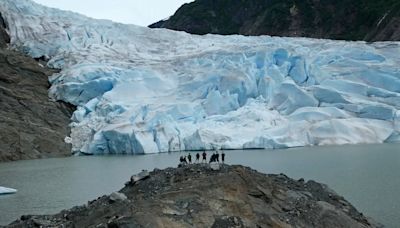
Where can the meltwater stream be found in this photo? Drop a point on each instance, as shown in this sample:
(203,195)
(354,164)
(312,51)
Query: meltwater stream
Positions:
(366,175)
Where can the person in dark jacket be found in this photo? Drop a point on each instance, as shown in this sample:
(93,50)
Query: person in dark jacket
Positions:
(190,158)
(197,158)
(212,158)
(204,157)
(223,157)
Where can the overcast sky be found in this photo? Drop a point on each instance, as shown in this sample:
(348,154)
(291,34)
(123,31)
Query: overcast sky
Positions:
(139,12)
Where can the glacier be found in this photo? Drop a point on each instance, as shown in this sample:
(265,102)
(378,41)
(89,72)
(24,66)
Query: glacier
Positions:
(140,90)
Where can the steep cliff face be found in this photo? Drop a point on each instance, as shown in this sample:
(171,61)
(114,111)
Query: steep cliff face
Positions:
(31,125)
(345,19)
(4,38)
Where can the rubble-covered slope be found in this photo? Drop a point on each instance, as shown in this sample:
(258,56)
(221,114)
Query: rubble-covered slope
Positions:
(31,125)
(141,90)
(197,196)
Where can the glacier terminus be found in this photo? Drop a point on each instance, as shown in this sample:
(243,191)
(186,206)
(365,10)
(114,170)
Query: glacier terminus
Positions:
(140,90)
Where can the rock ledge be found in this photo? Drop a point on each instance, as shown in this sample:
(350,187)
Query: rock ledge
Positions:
(196,195)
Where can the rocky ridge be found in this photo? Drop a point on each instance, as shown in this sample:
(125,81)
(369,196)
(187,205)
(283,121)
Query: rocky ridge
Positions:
(368,20)
(216,196)
(31,125)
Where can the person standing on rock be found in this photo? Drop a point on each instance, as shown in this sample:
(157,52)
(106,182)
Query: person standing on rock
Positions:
(182,159)
(204,157)
(212,158)
(190,158)
(223,157)
(217,156)
(197,158)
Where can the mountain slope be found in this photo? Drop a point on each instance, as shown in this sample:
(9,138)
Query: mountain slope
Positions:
(31,125)
(368,20)
(141,90)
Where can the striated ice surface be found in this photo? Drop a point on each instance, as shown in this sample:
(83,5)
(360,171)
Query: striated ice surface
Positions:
(141,90)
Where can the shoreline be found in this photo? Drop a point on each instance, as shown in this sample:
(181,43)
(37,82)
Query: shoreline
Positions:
(208,196)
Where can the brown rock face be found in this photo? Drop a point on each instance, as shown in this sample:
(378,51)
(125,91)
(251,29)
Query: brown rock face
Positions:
(198,196)
(369,20)
(31,126)
(4,38)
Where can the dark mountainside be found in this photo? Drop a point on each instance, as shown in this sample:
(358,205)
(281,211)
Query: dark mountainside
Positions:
(369,20)
(31,125)
(200,196)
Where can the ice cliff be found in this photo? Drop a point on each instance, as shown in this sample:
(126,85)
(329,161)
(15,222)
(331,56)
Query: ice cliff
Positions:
(141,90)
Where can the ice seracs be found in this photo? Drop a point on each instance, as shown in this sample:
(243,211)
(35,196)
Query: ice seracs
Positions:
(141,90)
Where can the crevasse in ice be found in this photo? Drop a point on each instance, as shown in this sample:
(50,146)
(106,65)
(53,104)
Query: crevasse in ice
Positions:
(141,90)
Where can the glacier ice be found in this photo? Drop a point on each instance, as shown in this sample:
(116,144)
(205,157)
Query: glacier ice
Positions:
(141,90)
(4,190)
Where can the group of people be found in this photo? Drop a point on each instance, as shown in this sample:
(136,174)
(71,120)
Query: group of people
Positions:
(214,158)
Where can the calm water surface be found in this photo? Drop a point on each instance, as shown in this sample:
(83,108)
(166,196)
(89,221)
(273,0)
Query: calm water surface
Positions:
(366,175)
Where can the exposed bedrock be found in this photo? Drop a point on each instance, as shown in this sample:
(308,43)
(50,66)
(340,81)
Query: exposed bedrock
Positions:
(31,126)
(216,196)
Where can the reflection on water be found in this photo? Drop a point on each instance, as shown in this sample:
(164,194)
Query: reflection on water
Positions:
(366,175)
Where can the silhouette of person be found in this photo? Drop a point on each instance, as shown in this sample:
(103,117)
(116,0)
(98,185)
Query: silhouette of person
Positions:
(204,157)
(190,158)
(223,157)
(197,157)
(214,158)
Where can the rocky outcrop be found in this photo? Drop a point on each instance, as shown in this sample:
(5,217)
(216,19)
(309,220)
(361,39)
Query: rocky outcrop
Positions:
(369,20)
(4,38)
(31,125)
(198,196)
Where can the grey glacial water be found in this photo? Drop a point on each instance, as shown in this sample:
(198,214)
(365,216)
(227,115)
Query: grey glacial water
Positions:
(366,175)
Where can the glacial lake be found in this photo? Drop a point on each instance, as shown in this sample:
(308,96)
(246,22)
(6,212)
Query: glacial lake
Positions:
(366,175)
